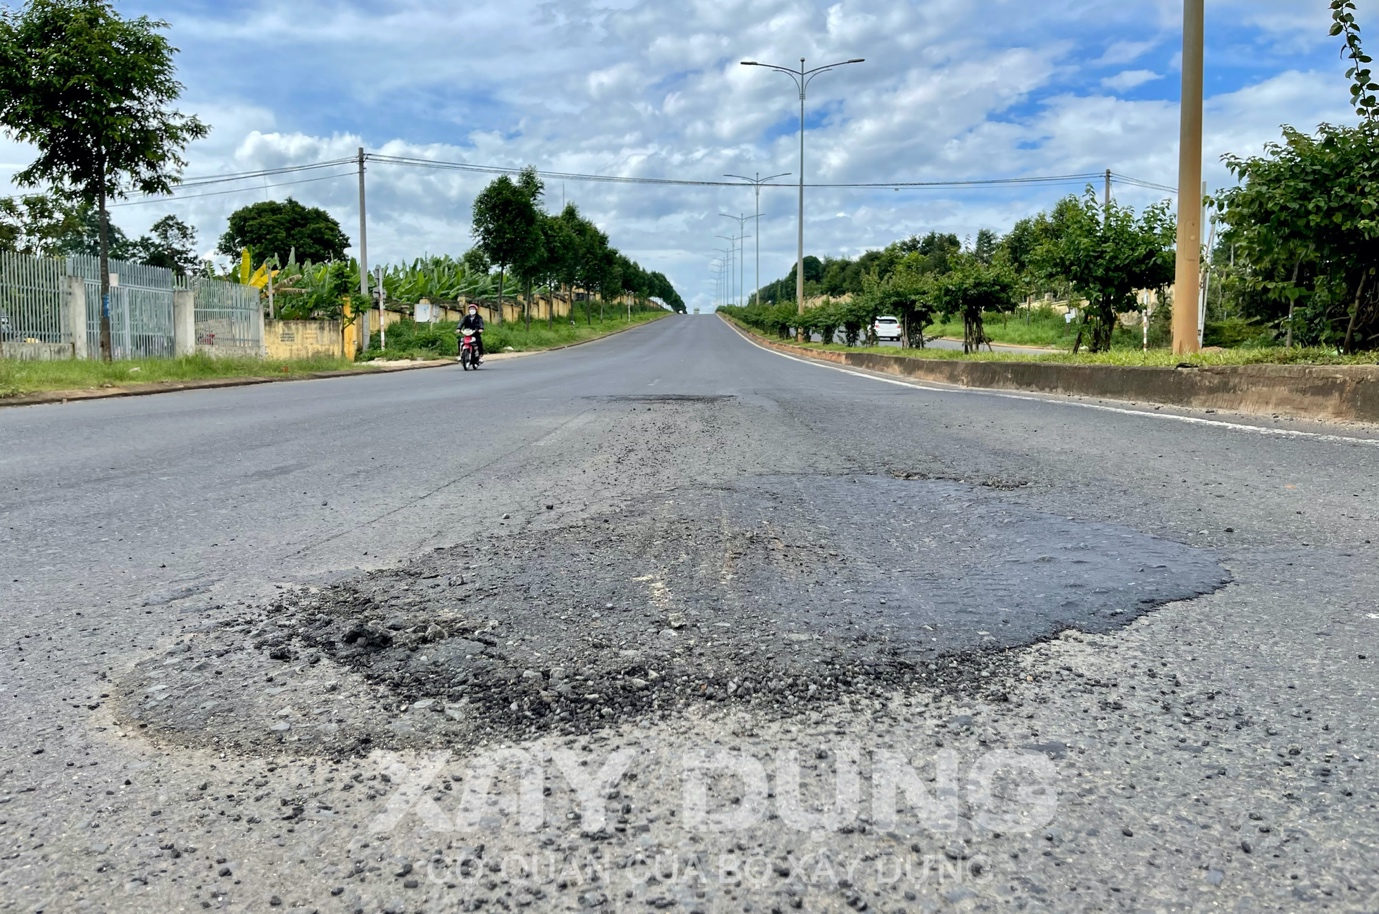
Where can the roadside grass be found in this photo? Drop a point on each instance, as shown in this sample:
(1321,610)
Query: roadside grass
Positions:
(1035,330)
(410,340)
(19,378)
(1125,354)
(1154,358)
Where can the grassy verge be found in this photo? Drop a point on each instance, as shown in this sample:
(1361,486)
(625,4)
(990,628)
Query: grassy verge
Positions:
(1154,358)
(19,378)
(409,340)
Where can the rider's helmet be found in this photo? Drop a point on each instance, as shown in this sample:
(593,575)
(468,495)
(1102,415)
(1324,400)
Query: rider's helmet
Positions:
(473,309)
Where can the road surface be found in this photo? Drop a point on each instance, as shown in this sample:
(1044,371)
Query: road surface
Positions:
(669,621)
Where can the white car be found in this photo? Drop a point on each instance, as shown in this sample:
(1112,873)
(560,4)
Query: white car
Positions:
(887,328)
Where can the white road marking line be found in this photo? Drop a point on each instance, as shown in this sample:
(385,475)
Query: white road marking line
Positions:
(1052,399)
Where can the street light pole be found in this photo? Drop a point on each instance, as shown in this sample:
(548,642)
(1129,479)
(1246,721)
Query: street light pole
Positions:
(732,253)
(741,277)
(756,183)
(802,78)
(1188,284)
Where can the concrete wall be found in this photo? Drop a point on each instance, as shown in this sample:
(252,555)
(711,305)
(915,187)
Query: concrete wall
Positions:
(36,352)
(303,339)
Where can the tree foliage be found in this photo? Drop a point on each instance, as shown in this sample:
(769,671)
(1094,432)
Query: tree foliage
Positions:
(1107,255)
(170,245)
(92,93)
(37,224)
(976,283)
(1302,219)
(275,231)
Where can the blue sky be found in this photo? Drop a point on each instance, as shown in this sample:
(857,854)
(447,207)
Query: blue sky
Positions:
(951,90)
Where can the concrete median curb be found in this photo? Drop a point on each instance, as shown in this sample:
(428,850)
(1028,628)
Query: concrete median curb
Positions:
(1342,392)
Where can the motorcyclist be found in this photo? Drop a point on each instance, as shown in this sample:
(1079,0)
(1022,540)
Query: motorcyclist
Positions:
(474,321)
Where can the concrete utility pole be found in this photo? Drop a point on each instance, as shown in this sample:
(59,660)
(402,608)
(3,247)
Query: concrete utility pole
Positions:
(363,251)
(1108,190)
(1188,285)
(802,78)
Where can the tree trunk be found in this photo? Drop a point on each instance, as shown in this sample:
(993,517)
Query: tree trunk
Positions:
(107,344)
(527,307)
(1292,305)
(498,314)
(1355,315)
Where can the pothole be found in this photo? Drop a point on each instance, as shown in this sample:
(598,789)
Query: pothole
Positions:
(668,398)
(773,592)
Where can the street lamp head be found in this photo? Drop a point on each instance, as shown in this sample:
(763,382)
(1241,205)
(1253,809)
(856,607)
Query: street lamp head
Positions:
(858,60)
(750,63)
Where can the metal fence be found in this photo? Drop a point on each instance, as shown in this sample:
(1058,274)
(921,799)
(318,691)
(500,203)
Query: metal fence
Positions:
(31,300)
(33,318)
(229,317)
(140,307)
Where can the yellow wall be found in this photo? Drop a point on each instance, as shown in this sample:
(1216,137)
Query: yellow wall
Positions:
(302,339)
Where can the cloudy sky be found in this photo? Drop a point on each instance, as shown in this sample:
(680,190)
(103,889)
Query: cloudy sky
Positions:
(951,90)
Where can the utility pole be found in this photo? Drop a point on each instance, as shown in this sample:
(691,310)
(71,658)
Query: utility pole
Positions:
(363,253)
(1188,284)
(1108,190)
(382,324)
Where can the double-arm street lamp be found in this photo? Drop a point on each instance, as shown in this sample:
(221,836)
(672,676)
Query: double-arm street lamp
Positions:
(802,78)
(756,183)
(728,258)
(742,238)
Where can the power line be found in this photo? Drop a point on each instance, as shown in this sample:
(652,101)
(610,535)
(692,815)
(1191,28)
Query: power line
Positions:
(682,182)
(1149,185)
(235,190)
(262,173)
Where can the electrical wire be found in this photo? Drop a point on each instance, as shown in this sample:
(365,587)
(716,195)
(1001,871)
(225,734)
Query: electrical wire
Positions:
(1148,185)
(680,182)
(262,173)
(440,165)
(235,190)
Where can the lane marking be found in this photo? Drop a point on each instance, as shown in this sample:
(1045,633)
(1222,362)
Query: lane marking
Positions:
(1055,401)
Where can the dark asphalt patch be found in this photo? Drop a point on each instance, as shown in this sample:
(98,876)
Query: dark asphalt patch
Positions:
(775,592)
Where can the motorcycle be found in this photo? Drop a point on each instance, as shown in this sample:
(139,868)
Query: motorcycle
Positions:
(469,350)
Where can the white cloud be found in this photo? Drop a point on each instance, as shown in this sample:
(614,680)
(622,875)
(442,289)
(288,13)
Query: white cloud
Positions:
(648,88)
(1130,79)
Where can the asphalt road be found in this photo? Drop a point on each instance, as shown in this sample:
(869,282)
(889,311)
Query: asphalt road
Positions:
(669,621)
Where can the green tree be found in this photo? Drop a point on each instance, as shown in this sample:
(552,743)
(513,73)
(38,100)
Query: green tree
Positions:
(971,289)
(1305,217)
(273,230)
(530,264)
(171,245)
(504,224)
(476,261)
(1107,255)
(83,237)
(907,294)
(38,224)
(91,91)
